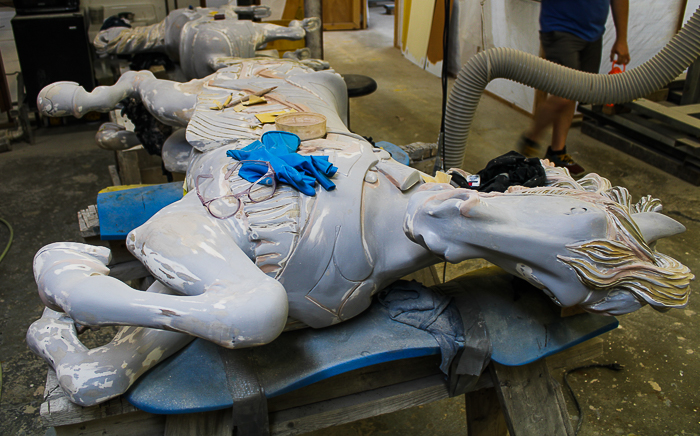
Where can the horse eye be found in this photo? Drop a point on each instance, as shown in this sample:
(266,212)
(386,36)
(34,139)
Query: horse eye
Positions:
(577,210)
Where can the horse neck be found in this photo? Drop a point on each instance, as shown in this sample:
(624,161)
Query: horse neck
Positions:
(395,254)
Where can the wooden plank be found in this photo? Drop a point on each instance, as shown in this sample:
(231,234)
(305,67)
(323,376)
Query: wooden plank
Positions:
(323,414)
(405,19)
(434,54)
(576,356)
(114,175)
(359,380)
(650,133)
(484,416)
(688,109)
(530,401)
(688,171)
(634,122)
(681,15)
(680,121)
(359,406)
(293,10)
(690,143)
(131,424)
(397,22)
(57,410)
(128,162)
(691,87)
(356,13)
(214,423)
(418,32)
(128,271)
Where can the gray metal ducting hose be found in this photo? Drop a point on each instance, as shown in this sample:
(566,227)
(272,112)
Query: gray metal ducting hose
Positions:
(555,79)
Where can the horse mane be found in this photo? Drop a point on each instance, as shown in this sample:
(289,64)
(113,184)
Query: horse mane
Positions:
(623,260)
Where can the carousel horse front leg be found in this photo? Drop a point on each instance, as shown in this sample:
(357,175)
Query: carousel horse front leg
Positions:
(222,296)
(170,102)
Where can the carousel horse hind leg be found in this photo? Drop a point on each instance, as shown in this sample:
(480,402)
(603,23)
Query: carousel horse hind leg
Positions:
(224,297)
(171,102)
(91,376)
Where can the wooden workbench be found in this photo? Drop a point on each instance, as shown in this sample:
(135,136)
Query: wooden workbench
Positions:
(523,400)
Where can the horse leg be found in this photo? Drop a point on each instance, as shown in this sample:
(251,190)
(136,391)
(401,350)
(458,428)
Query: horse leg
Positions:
(226,298)
(112,136)
(176,152)
(294,32)
(91,376)
(170,102)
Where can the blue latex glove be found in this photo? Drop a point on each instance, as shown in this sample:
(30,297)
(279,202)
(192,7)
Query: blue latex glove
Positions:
(279,148)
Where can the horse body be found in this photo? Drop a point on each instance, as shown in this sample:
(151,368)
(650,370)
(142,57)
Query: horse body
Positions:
(198,42)
(315,259)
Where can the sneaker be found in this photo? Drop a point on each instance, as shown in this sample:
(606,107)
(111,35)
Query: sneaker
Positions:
(563,160)
(527,147)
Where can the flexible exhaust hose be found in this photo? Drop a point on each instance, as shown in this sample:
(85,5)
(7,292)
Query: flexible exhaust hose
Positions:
(527,69)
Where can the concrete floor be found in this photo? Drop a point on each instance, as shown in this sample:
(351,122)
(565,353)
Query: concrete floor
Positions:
(42,186)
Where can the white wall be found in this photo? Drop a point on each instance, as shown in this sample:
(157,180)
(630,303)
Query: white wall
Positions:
(515,24)
(650,28)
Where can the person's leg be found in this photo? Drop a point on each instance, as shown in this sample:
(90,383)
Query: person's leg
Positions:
(588,61)
(555,111)
(560,48)
(562,121)
(588,54)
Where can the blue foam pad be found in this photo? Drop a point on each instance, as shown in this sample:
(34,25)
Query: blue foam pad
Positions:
(122,211)
(524,326)
(395,151)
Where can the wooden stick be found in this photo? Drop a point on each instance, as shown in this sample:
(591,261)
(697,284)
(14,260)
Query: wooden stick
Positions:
(247,97)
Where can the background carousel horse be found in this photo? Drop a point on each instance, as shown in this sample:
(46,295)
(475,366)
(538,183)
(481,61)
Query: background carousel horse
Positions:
(200,44)
(238,280)
(202,39)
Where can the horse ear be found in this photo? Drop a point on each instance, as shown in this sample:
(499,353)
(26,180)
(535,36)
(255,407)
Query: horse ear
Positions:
(655,226)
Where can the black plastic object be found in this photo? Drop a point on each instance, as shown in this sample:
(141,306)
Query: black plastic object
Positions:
(34,7)
(359,85)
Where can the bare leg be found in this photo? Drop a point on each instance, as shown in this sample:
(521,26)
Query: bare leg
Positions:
(555,111)
(226,300)
(562,123)
(91,376)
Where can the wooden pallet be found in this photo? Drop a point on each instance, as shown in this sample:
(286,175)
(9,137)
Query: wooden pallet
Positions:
(657,140)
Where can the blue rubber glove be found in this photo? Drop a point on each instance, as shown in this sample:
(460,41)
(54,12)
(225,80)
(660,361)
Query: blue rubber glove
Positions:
(279,148)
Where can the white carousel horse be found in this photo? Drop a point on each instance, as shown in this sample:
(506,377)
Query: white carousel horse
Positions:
(318,260)
(199,41)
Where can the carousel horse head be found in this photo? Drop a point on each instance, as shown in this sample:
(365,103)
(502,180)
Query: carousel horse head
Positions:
(545,235)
